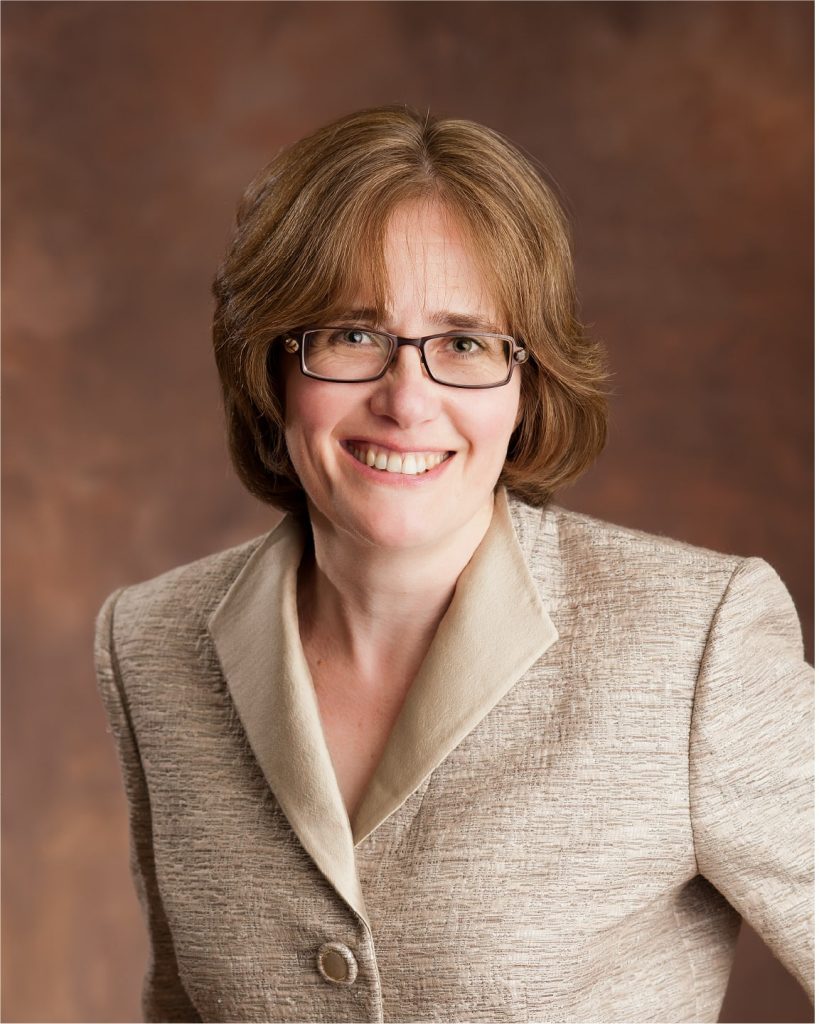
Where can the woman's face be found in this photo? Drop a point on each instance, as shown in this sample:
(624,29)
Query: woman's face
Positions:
(433,280)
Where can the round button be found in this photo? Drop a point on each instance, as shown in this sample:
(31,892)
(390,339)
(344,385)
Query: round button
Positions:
(336,963)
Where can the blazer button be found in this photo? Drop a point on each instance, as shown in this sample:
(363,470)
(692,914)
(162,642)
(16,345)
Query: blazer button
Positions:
(336,963)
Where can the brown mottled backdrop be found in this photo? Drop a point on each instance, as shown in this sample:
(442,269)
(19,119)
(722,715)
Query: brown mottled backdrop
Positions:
(681,138)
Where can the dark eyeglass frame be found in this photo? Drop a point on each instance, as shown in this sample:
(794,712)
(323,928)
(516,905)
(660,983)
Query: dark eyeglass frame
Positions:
(295,343)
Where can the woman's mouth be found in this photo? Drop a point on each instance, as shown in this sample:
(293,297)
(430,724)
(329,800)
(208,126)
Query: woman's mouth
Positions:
(387,460)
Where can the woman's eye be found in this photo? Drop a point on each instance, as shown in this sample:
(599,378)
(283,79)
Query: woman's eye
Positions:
(354,337)
(465,344)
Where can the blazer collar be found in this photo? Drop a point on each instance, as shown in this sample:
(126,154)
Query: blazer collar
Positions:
(495,628)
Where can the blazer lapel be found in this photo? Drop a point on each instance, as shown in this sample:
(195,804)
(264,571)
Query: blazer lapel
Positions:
(494,630)
(256,634)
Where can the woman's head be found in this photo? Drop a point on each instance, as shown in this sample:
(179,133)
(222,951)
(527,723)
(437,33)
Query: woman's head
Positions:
(311,243)
(402,461)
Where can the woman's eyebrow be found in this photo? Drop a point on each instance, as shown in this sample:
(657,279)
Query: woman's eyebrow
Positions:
(464,321)
(360,315)
(442,318)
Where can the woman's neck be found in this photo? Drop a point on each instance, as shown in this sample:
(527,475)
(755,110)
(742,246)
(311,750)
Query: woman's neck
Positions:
(374,610)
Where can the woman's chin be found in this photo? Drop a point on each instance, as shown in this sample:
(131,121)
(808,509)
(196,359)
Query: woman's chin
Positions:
(386,527)
(396,534)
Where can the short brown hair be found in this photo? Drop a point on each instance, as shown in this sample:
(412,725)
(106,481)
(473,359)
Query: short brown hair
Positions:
(310,230)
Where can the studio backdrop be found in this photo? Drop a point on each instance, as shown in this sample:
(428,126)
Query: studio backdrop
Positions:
(679,140)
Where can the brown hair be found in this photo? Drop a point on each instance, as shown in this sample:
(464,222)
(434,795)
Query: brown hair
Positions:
(309,231)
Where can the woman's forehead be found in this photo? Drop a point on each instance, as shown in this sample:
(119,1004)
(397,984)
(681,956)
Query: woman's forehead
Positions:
(423,260)
(431,273)
(426,233)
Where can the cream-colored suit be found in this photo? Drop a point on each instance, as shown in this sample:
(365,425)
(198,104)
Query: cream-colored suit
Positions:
(605,760)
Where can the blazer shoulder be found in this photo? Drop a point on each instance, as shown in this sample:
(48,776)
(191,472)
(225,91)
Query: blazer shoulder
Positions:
(603,536)
(181,597)
(608,552)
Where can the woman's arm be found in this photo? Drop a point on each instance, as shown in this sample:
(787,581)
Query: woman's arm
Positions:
(751,764)
(163,995)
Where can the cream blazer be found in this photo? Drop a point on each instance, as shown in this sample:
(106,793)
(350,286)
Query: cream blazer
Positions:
(604,761)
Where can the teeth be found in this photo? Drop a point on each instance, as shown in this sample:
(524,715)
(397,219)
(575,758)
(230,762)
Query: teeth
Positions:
(411,464)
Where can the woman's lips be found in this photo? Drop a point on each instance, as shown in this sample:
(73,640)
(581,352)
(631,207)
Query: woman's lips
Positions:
(390,466)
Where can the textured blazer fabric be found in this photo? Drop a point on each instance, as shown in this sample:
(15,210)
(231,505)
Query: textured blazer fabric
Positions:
(605,761)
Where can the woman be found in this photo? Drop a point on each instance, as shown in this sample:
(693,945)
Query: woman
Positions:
(436,748)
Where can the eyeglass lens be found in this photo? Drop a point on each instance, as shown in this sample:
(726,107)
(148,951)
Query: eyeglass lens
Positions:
(354,354)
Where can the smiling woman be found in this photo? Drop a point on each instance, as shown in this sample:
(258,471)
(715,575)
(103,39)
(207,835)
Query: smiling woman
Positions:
(399,412)
(435,748)
(318,236)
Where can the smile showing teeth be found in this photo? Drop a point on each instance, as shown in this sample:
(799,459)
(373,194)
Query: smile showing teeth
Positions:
(410,463)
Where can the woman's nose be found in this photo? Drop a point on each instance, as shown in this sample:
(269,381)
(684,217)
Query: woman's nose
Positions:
(406,393)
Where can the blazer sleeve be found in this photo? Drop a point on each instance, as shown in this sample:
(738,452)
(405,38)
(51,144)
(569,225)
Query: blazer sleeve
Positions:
(751,764)
(163,996)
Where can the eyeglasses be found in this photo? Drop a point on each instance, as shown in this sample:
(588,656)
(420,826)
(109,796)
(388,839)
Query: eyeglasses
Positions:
(356,354)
